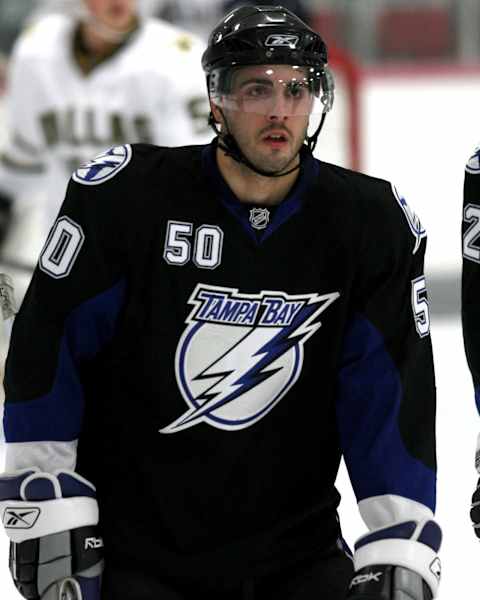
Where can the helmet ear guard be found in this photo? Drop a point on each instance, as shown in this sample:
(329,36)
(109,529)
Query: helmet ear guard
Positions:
(328,89)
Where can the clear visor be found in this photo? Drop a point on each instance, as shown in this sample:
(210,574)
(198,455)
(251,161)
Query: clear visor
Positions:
(286,90)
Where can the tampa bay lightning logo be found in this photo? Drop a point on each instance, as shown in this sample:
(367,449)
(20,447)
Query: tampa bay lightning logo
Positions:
(104,166)
(413,221)
(473,164)
(241,353)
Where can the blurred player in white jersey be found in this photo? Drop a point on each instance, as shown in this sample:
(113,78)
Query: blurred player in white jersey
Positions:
(80,81)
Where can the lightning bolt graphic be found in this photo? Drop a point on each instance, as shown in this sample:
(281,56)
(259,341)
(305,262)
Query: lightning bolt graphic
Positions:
(228,383)
(95,169)
(112,160)
(96,166)
(251,369)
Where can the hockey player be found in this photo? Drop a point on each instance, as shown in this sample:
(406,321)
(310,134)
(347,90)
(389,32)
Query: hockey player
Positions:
(83,80)
(188,374)
(470,289)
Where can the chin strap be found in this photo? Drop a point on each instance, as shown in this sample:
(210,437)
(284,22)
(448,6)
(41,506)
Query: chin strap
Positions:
(313,139)
(229,145)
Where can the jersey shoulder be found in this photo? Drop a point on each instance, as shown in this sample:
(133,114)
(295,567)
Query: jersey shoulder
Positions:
(380,205)
(372,193)
(473,163)
(127,189)
(123,162)
(174,40)
(160,46)
(110,192)
(134,165)
(45,38)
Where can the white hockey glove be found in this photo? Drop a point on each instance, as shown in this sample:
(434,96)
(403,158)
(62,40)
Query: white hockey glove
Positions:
(397,563)
(475,509)
(55,552)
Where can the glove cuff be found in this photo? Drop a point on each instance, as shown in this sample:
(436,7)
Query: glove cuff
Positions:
(416,556)
(25,520)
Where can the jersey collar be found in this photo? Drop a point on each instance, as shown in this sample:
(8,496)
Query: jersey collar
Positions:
(279,214)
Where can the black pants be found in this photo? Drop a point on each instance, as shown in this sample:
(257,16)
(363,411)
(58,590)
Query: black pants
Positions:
(313,579)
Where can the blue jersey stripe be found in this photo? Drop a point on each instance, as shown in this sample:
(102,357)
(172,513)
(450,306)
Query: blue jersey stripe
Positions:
(369,396)
(50,418)
(477,398)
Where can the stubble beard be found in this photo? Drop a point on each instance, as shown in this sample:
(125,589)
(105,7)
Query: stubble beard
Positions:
(273,162)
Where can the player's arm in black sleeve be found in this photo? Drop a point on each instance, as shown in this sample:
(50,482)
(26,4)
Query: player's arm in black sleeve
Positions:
(471,294)
(69,314)
(386,405)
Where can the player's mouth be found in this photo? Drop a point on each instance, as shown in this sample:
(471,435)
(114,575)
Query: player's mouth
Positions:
(276,139)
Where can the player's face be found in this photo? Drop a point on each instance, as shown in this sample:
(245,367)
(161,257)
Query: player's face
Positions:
(115,14)
(269,114)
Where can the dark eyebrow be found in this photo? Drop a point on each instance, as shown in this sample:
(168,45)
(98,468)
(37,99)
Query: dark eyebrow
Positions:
(256,80)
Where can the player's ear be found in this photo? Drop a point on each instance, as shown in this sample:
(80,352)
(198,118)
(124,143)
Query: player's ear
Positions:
(217,114)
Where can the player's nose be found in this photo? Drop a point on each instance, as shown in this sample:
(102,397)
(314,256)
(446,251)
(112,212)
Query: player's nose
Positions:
(280,108)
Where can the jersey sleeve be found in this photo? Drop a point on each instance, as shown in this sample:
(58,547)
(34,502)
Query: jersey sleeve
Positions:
(471,269)
(69,314)
(386,393)
(22,162)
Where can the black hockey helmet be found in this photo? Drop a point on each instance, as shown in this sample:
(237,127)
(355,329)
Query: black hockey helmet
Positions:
(265,35)
(257,35)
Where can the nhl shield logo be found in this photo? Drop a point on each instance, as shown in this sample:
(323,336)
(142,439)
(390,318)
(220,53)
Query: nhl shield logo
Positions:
(259,218)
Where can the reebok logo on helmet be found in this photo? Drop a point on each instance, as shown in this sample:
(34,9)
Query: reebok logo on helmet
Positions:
(282,40)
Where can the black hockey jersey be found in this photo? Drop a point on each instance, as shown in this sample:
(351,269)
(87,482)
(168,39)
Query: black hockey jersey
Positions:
(206,362)
(471,269)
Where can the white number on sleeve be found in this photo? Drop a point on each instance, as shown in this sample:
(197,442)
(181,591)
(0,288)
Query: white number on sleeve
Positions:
(471,214)
(62,248)
(420,306)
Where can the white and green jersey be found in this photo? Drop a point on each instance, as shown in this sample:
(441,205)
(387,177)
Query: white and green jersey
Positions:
(151,90)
